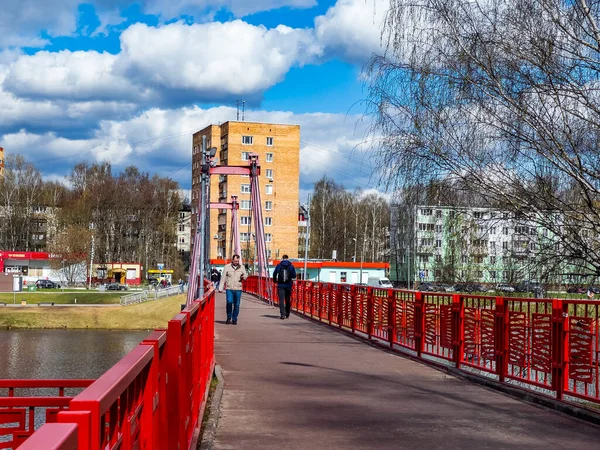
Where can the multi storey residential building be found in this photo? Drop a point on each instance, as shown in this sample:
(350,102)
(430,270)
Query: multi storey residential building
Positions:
(483,245)
(278,150)
(1,162)
(184,235)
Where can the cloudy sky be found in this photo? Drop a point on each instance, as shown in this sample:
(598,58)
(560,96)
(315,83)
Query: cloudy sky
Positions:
(129,82)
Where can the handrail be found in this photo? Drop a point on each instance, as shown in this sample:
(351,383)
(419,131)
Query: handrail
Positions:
(546,346)
(153,398)
(107,389)
(49,383)
(55,436)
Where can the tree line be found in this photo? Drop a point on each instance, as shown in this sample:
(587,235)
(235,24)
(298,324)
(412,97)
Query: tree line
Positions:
(353,224)
(131,216)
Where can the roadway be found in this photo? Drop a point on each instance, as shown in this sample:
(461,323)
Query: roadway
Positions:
(294,384)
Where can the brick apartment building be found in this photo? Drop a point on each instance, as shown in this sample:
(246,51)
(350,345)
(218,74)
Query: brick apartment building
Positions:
(278,149)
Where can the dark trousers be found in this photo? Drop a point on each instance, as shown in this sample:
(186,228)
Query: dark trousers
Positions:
(285,300)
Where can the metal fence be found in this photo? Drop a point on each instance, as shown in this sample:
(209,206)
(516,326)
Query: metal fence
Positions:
(153,399)
(152,294)
(548,346)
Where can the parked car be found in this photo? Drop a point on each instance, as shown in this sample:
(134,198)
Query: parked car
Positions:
(427,287)
(477,288)
(47,284)
(576,290)
(528,286)
(116,287)
(505,288)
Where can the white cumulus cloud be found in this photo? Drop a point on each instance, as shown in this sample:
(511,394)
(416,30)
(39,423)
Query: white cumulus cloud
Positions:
(352,28)
(160,141)
(175,63)
(213,59)
(74,75)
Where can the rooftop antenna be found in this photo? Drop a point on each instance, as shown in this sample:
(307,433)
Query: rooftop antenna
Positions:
(241,103)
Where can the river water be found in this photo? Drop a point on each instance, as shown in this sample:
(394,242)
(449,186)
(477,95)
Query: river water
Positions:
(31,354)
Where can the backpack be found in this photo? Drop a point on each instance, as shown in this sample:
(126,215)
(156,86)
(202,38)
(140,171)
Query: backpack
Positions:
(283,276)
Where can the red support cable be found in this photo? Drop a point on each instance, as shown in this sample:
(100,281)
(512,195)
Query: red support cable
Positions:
(235,232)
(259,225)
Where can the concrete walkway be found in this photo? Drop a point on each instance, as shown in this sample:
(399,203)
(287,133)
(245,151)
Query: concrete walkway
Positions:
(293,384)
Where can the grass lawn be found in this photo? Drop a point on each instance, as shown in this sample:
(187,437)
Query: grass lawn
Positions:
(83,297)
(141,316)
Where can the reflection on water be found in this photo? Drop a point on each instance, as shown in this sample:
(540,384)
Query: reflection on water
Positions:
(31,354)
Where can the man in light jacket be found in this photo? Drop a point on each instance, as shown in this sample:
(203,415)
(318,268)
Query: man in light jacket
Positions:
(231,280)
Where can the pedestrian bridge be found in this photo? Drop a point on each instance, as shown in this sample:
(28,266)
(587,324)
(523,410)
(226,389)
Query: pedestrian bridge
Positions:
(318,379)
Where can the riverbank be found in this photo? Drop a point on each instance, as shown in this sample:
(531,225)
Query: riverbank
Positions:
(63,298)
(142,316)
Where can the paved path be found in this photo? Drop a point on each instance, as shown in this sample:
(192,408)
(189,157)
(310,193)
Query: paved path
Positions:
(293,384)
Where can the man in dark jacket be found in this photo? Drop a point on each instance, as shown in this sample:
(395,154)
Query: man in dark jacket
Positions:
(283,276)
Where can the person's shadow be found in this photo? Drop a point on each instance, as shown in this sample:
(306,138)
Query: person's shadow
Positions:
(271,316)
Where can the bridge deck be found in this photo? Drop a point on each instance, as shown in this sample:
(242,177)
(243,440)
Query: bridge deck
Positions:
(293,384)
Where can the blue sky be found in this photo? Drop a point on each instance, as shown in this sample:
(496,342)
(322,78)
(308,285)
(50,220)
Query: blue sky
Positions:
(129,82)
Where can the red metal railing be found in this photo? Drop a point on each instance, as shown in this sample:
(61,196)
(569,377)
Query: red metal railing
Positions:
(20,411)
(547,346)
(153,398)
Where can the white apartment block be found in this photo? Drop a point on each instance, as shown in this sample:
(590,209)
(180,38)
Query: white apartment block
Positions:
(458,244)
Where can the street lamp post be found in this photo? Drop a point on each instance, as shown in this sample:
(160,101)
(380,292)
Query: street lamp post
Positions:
(91,256)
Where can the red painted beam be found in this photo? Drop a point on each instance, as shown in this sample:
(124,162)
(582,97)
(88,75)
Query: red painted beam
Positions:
(53,436)
(107,389)
(217,205)
(13,402)
(232,170)
(5,384)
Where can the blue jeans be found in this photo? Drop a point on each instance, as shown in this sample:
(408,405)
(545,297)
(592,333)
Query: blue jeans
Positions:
(233,303)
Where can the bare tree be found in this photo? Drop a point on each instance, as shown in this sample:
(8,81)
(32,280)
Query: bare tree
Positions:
(499,97)
(349,222)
